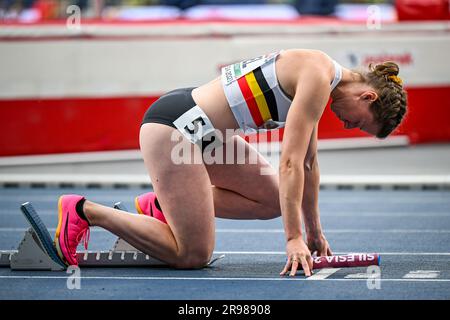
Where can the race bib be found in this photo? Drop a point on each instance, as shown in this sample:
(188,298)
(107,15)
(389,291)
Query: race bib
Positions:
(195,125)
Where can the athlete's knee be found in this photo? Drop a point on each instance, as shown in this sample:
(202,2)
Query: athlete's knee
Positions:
(194,259)
(268,213)
(270,208)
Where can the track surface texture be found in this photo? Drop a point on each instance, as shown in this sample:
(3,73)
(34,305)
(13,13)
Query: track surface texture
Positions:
(409,228)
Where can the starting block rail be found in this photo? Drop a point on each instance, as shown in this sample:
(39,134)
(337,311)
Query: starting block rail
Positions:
(37,252)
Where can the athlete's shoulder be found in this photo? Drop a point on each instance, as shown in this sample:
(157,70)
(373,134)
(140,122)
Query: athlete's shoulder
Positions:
(305,53)
(295,66)
(306,58)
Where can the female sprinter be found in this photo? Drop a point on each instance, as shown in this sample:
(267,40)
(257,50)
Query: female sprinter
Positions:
(285,89)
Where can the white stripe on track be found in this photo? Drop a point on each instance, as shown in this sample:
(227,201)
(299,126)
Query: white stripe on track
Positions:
(53,213)
(276,253)
(282,231)
(323,273)
(286,278)
(137,179)
(336,253)
(128,194)
(339,231)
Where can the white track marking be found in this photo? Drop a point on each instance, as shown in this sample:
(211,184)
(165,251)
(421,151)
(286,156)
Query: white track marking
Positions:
(323,273)
(281,231)
(393,215)
(422,274)
(339,231)
(362,179)
(327,199)
(275,253)
(138,179)
(357,276)
(286,278)
(337,252)
(384,214)
(79,157)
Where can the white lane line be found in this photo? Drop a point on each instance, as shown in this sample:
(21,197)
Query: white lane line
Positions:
(336,252)
(422,274)
(49,229)
(280,231)
(78,157)
(393,215)
(100,179)
(384,215)
(339,231)
(323,274)
(286,278)
(53,199)
(333,179)
(137,179)
(276,253)
(410,179)
(358,276)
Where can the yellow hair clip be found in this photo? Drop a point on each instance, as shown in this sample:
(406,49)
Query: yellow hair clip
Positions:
(396,79)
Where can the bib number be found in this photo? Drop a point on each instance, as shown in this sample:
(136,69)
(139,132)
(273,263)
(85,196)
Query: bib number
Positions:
(195,125)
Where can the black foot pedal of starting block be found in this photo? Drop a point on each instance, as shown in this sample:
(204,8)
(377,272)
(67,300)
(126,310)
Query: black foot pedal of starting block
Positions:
(36,251)
(120,206)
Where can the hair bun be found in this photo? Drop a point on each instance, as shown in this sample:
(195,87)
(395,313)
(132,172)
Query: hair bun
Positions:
(385,69)
(391,106)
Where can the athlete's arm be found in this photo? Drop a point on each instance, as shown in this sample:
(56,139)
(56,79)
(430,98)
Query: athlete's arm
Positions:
(312,92)
(310,205)
(310,201)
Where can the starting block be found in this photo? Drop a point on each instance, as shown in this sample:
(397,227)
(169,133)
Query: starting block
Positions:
(120,244)
(36,251)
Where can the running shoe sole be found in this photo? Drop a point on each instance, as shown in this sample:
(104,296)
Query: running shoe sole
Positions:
(41,231)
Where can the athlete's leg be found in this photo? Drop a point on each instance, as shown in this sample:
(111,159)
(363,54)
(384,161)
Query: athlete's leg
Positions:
(184,193)
(241,191)
(245,191)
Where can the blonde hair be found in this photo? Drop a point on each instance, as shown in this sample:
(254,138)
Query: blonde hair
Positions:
(391,105)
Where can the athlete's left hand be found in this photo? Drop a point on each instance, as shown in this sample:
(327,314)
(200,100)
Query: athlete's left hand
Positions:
(318,243)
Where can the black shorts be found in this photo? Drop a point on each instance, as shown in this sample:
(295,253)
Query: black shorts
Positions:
(177,109)
(170,107)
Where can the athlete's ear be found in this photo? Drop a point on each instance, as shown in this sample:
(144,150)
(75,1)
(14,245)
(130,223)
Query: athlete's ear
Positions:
(369,95)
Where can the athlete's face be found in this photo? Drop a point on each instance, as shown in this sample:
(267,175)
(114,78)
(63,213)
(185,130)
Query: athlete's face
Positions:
(354,111)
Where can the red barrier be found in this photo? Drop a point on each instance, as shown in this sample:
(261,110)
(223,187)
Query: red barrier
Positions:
(95,124)
(422,10)
(429,115)
(71,125)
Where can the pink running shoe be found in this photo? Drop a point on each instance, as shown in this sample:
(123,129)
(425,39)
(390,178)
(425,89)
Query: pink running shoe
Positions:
(71,229)
(145,204)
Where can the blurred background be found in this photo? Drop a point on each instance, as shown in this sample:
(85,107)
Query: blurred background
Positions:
(39,10)
(36,10)
(77,76)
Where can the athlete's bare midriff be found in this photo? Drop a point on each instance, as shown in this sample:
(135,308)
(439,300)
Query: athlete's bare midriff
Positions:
(211,97)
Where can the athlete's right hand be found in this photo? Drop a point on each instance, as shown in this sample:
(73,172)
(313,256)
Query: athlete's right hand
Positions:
(298,254)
